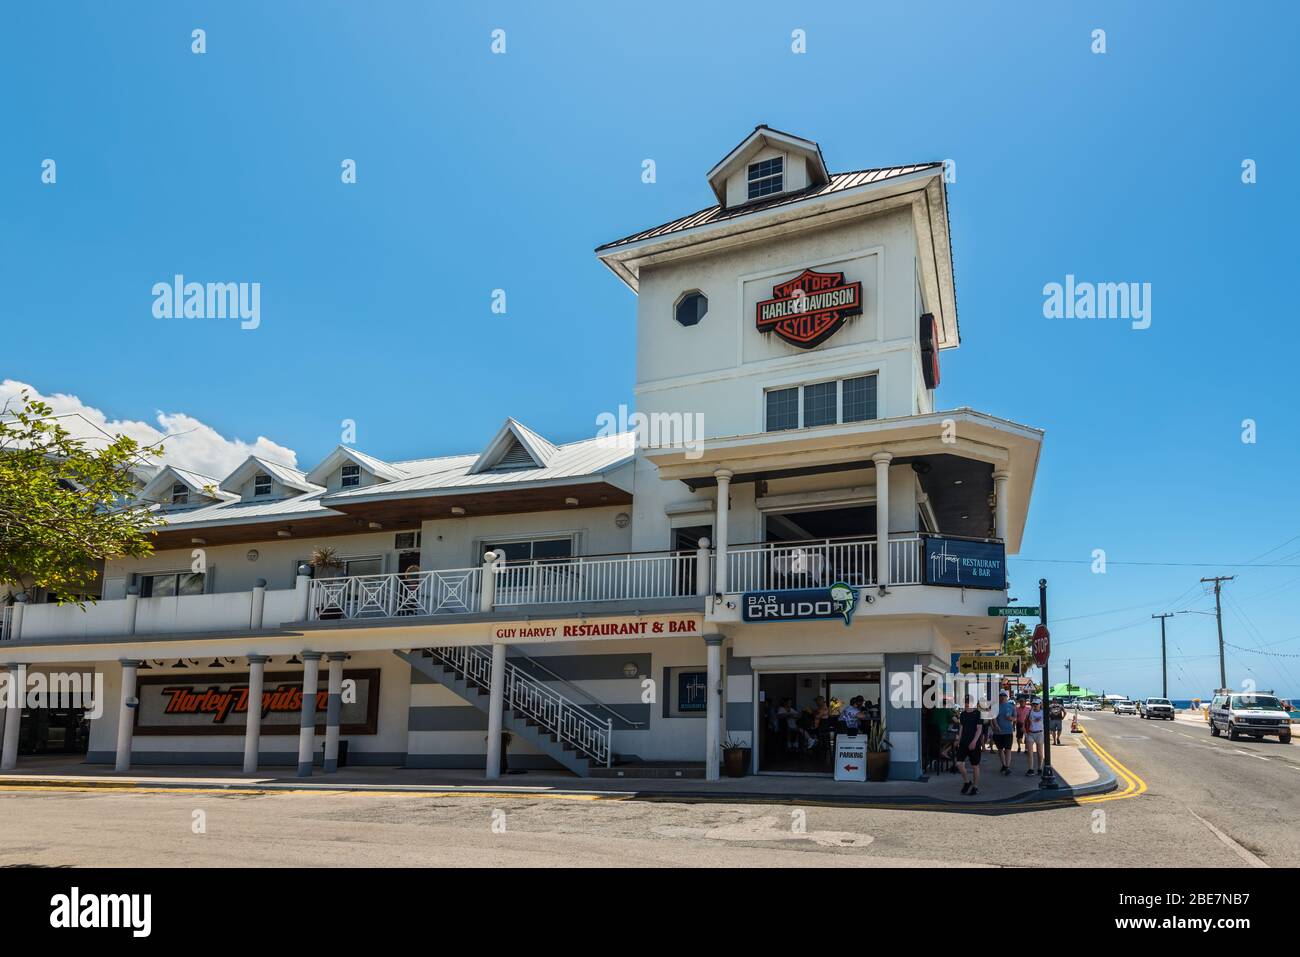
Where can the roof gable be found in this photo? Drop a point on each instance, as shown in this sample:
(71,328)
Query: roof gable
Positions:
(514,446)
(760,139)
(286,475)
(159,488)
(342,455)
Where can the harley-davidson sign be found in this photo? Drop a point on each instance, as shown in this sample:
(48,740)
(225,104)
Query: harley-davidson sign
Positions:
(218,704)
(810,308)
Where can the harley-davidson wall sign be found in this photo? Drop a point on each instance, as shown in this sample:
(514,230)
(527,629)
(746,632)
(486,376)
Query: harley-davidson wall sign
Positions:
(810,308)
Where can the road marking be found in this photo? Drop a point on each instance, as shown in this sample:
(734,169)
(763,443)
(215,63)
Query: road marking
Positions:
(1250,754)
(1133,785)
(1237,849)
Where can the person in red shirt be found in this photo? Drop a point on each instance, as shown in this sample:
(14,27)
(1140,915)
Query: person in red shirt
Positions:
(1022,715)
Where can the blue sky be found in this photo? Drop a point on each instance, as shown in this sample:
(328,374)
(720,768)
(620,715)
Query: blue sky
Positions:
(478,172)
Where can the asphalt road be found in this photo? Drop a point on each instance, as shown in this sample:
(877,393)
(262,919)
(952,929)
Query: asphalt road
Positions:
(1206,803)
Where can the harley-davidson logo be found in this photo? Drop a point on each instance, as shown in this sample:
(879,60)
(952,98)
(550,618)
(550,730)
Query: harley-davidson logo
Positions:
(810,308)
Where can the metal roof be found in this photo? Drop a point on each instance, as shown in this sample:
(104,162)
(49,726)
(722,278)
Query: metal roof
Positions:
(435,476)
(718,213)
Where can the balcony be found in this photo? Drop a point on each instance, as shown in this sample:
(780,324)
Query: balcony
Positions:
(497,586)
(252,610)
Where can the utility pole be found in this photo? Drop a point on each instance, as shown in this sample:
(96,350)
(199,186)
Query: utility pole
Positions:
(1218,617)
(1069,675)
(1164,669)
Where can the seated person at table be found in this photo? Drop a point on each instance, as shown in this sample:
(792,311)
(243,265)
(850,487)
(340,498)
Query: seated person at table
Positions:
(852,716)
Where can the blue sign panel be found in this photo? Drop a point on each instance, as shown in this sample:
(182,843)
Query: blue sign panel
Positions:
(692,690)
(800,604)
(965,564)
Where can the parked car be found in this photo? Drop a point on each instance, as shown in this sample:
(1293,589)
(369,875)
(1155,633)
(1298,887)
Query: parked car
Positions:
(1126,707)
(1087,704)
(1258,715)
(1157,708)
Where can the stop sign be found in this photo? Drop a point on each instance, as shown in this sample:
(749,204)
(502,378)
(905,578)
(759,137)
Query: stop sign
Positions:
(1042,645)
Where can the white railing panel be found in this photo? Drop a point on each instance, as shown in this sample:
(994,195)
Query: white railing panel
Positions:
(6,621)
(446,592)
(814,564)
(616,578)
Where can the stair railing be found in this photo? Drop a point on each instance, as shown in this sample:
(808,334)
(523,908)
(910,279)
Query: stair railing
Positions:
(571,723)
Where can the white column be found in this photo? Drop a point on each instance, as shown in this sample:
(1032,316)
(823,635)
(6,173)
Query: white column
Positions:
(713,709)
(258,608)
(882,460)
(1000,482)
(126,715)
(496,707)
(307,729)
(487,591)
(333,709)
(13,715)
(16,617)
(302,591)
(720,512)
(131,609)
(253,724)
(702,568)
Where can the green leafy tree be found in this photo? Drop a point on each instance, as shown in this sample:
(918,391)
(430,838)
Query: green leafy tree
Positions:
(1018,644)
(64,507)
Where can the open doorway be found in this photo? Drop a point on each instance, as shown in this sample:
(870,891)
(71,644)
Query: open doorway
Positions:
(799,715)
(850,521)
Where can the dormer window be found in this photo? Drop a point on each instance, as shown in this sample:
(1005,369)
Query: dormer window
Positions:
(351,476)
(766,177)
(180,494)
(261,485)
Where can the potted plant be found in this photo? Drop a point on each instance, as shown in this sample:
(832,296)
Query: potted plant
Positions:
(877,752)
(324,558)
(735,758)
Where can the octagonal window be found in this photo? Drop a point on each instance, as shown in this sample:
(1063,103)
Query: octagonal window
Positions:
(691,308)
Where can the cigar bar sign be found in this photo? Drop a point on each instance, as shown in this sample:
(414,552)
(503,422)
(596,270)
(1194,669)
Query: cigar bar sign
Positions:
(218,703)
(810,308)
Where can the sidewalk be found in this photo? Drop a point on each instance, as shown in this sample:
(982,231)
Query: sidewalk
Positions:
(1080,773)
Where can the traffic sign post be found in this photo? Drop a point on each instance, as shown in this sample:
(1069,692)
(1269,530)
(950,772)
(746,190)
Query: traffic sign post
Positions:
(1042,646)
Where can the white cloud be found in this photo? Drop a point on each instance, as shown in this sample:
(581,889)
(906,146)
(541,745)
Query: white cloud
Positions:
(187,442)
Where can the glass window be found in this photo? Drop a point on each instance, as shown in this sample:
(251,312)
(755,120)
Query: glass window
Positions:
(691,308)
(765,178)
(860,398)
(782,409)
(170,584)
(262,485)
(819,404)
(363,566)
(351,476)
(180,494)
(548,548)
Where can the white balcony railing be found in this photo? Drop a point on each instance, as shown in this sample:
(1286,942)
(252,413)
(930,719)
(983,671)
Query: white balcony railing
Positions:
(628,577)
(820,562)
(446,592)
(6,618)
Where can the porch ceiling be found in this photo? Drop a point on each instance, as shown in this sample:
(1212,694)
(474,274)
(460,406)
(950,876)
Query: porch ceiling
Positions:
(958,447)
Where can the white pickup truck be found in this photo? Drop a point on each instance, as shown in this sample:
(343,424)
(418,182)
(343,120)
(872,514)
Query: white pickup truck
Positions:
(1157,708)
(1126,707)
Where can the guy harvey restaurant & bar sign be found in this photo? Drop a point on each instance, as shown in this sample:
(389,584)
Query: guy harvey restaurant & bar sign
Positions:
(218,704)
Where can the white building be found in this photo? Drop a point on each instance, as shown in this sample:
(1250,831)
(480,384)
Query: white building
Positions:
(617,604)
